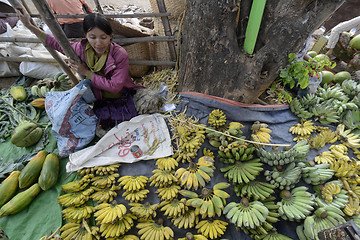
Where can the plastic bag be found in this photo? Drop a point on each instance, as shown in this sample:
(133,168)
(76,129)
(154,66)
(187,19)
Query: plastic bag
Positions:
(144,137)
(73,120)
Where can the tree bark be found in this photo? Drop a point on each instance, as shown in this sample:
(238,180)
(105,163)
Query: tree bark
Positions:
(212,57)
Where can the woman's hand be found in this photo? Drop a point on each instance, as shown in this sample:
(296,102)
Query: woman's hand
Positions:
(80,68)
(24,16)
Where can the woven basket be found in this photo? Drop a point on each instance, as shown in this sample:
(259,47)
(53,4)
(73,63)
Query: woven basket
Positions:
(175,7)
(138,51)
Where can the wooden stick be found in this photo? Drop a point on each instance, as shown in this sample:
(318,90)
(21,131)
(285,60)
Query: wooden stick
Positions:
(134,15)
(167,29)
(98,6)
(53,52)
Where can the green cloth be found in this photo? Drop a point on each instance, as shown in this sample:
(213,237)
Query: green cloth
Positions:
(95,64)
(43,215)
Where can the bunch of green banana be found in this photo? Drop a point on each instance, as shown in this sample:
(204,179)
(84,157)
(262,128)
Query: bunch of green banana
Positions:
(261,132)
(299,109)
(325,114)
(274,236)
(79,231)
(356,219)
(144,211)
(315,174)
(135,196)
(243,172)
(351,119)
(133,183)
(173,208)
(323,218)
(166,163)
(197,174)
(285,156)
(236,151)
(255,190)
(223,135)
(211,228)
(109,212)
(77,214)
(149,230)
(190,236)
(246,214)
(75,198)
(162,178)
(78,185)
(105,170)
(104,181)
(103,195)
(60,82)
(217,118)
(296,204)
(119,227)
(187,220)
(337,200)
(168,192)
(284,178)
(211,201)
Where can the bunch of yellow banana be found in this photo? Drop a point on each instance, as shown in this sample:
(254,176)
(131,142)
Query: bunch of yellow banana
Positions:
(284,178)
(260,132)
(246,214)
(242,172)
(211,201)
(191,139)
(105,195)
(351,140)
(339,200)
(85,171)
(174,207)
(104,181)
(190,236)
(105,170)
(296,204)
(168,192)
(236,151)
(325,157)
(119,227)
(197,174)
(317,142)
(183,155)
(125,237)
(339,150)
(133,183)
(323,218)
(53,236)
(75,198)
(109,212)
(217,118)
(77,214)
(349,187)
(144,211)
(135,196)
(162,178)
(187,220)
(354,188)
(329,191)
(78,185)
(79,231)
(208,153)
(254,189)
(150,230)
(305,128)
(166,163)
(211,228)
(329,136)
(343,168)
(352,207)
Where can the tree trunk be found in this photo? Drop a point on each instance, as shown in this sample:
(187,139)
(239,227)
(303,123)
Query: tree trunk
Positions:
(212,57)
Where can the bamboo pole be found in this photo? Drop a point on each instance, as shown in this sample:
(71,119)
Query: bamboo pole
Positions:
(167,29)
(26,6)
(134,15)
(48,17)
(53,52)
(98,6)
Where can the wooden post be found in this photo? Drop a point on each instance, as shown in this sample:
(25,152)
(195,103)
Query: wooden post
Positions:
(53,52)
(26,6)
(98,6)
(167,29)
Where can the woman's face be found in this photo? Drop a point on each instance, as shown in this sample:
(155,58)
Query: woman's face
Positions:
(98,40)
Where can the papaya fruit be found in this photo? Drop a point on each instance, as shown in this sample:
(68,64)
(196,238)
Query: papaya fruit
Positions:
(31,172)
(49,172)
(20,201)
(9,187)
(26,134)
(38,103)
(18,93)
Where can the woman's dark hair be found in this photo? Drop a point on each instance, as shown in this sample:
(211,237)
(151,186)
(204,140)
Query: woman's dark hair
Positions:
(98,20)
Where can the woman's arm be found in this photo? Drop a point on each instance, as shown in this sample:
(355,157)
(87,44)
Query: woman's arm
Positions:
(24,16)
